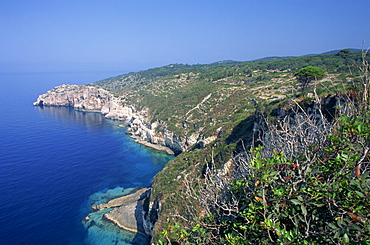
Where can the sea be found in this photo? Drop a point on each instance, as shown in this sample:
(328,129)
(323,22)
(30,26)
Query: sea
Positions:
(55,163)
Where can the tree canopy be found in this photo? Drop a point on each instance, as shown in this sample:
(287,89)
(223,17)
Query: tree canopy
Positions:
(308,74)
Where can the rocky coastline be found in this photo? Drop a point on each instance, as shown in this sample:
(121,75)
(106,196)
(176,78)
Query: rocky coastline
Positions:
(95,99)
(135,212)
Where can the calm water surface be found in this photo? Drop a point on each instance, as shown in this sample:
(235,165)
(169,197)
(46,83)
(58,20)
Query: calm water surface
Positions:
(56,162)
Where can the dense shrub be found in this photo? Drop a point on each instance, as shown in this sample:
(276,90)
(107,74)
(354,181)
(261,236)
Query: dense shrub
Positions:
(321,198)
(307,183)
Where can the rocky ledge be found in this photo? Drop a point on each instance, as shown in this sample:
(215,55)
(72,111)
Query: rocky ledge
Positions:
(134,212)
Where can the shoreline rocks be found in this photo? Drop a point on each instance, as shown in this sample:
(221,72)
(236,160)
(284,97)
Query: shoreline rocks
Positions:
(133,212)
(95,99)
(157,147)
(121,200)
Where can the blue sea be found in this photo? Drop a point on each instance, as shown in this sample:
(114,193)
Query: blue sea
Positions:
(56,162)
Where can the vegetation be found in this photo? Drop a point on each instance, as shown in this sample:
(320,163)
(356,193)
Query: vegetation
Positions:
(321,198)
(268,161)
(307,182)
(173,93)
(309,74)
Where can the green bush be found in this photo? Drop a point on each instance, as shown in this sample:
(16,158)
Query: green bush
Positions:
(306,75)
(322,197)
(324,201)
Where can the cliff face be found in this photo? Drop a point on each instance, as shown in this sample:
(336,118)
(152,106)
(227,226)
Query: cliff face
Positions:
(79,97)
(94,99)
(86,98)
(145,133)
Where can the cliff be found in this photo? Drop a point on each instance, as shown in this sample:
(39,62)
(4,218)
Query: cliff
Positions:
(86,98)
(94,99)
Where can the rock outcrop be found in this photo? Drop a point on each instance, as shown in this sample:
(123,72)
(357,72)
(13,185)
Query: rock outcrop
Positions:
(133,212)
(86,98)
(124,200)
(146,132)
(79,97)
(95,99)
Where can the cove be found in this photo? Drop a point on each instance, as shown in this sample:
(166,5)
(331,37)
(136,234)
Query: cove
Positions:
(57,162)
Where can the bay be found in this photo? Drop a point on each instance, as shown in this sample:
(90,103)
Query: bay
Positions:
(56,162)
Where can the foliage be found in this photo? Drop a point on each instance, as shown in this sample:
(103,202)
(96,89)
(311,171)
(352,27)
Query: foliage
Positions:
(215,101)
(320,199)
(173,94)
(311,188)
(308,74)
(343,61)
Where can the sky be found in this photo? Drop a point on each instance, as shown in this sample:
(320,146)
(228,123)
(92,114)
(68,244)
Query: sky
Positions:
(133,35)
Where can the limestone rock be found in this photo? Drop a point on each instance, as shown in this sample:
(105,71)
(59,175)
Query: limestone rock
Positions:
(92,98)
(79,97)
(133,212)
(124,200)
(86,98)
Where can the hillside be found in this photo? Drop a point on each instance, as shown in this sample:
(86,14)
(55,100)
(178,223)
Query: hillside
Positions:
(200,101)
(216,117)
(213,110)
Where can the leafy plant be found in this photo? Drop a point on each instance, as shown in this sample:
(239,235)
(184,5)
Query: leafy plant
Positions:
(320,199)
(309,74)
(308,184)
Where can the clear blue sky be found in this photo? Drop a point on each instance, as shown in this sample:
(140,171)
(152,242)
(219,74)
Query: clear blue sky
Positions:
(131,35)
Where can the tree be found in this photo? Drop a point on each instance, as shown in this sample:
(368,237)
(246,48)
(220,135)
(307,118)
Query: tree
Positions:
(308,74)
(344,52)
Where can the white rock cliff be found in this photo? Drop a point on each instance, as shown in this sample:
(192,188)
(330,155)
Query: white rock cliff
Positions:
(91,98)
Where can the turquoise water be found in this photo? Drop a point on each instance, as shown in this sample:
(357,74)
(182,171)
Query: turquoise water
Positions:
(56,162)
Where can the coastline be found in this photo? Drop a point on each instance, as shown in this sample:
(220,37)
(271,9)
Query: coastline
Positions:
(94,99)
(134,212)
(155,146)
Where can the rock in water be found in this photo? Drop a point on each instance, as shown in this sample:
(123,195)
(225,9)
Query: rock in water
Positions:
(131,212)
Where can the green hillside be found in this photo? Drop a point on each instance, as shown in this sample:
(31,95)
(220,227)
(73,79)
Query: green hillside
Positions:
(219,104)
(200,99)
